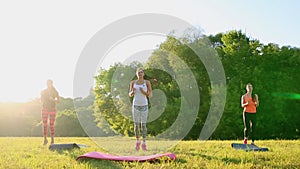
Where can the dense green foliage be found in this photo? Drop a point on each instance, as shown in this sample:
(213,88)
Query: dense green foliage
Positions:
(271,69)
(274,72)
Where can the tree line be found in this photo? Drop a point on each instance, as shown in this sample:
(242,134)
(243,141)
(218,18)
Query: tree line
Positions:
(24,119)
(274,72)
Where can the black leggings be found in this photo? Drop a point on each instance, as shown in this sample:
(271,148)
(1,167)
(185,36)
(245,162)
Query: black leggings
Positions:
(249,124)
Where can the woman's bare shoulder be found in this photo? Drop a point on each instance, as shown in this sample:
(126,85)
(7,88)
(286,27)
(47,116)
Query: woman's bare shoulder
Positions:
(148,82)
(132,82)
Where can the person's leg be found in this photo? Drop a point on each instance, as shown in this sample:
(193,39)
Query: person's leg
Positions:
(246,126)
(52,121)
(144,127)
(253,127)
(144,131)
(136,120)
(45,125)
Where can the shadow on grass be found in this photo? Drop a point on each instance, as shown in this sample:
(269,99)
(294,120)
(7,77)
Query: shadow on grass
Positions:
(94,163)
(203,156)
(231,160)
(73,153)
(180,160)
(226,159)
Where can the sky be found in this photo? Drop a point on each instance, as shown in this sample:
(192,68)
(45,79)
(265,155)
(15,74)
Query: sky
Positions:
(43,40)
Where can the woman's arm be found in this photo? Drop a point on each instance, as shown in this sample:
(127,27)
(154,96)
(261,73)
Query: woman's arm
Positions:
(149,88)
(131,89)
(256,100)
(242,102)
(57,97)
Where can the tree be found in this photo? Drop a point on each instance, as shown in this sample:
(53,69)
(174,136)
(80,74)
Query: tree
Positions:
(67,124)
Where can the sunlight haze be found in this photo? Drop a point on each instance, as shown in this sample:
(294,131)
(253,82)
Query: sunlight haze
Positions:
(42,40)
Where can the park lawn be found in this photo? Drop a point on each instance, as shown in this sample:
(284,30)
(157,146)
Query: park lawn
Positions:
(28,152)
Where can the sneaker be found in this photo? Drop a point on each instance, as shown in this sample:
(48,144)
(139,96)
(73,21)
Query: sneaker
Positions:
(137,145)
(45,142)
(144,146)
(245,141)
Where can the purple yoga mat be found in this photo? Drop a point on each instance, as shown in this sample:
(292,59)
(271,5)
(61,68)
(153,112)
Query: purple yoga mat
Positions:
(105,156)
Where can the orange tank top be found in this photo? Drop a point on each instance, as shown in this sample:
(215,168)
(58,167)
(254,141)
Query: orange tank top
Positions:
(251,107)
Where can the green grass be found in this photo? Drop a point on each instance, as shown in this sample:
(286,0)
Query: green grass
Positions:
(28,152)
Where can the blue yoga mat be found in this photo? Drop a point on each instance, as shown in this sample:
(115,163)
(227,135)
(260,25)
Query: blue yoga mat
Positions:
(247,147)
(66,146)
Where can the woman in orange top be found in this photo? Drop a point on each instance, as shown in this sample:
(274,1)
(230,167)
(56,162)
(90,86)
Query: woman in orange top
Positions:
(249,102)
